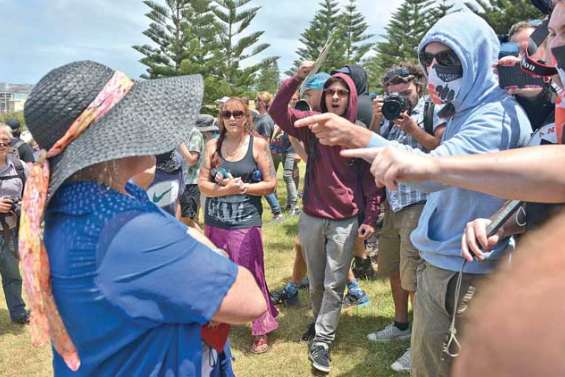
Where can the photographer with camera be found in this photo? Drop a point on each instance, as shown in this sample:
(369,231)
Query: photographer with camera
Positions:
(457,54)
(402,116)
(12,180)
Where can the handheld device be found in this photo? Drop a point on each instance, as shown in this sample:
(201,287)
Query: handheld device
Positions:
(513,77)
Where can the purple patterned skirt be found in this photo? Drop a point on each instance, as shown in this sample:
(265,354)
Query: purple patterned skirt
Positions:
(245,248)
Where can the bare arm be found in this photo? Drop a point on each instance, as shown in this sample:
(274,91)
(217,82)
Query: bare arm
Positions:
(244,301)
(262,155)
(533,174)
(190,157)
(206,186)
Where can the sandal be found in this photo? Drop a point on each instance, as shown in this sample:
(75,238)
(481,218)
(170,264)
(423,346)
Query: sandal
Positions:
(260,344)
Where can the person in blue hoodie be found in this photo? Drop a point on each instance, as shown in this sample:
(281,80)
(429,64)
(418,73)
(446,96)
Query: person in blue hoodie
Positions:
(457,54)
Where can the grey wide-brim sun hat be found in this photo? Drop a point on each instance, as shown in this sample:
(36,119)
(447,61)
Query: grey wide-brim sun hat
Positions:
(155,117)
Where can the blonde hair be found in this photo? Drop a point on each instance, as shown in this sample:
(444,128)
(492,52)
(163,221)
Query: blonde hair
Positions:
(265,97)
(6,129)
(104,173)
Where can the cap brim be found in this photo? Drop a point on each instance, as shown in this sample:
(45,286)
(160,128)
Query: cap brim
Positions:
(155,117)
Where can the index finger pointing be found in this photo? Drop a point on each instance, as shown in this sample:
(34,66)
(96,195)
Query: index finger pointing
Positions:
(367,154)
(313,119)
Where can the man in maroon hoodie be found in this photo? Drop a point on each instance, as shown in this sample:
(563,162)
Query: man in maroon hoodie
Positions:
(337,191)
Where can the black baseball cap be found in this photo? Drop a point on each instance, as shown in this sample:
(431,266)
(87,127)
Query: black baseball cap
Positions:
(14,124)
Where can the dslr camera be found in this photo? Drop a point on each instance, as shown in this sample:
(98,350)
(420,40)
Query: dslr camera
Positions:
(393,105)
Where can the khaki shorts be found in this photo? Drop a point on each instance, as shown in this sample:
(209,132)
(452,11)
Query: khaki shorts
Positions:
(396,252)
(435,304)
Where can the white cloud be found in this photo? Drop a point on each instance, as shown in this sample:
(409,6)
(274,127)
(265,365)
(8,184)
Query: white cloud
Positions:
(47,33)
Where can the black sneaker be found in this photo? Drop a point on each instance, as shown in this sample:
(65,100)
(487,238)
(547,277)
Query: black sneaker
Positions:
(320,357)
(310,332)
(22,320)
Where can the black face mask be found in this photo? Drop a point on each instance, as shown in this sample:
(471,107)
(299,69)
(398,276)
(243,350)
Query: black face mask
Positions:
(449,73)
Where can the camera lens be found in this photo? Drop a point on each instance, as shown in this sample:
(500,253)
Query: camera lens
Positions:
(393,106)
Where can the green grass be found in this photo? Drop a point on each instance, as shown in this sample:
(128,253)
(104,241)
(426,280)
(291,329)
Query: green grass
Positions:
(352,355)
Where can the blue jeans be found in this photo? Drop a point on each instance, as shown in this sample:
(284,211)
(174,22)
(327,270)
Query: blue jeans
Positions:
(11,279)
(290,171)
(274,203)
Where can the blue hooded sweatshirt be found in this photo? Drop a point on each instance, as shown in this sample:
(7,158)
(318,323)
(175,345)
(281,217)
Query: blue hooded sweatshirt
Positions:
(486,120)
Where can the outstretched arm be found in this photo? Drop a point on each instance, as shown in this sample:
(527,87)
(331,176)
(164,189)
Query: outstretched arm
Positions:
(533,174)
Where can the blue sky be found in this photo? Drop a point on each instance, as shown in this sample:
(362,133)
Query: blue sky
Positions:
(39,35)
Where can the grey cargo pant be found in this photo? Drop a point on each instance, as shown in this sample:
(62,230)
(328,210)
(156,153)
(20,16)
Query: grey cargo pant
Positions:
(328,250)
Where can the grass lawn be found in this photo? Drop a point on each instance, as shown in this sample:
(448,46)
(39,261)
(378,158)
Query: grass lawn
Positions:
(352,355)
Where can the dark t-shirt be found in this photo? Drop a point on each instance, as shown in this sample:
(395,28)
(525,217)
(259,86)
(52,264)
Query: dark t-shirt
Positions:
(25,150)
(265,126)
(365,110)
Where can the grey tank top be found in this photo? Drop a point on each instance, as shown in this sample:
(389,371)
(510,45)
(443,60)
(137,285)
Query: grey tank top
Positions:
(236,211)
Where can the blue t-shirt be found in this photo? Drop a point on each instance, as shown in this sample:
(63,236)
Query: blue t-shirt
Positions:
(133,288)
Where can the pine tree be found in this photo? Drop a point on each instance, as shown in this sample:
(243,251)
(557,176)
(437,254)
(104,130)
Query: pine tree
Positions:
(268,78)
(233,19)
(201,31)
(403,34)
(326,23)
(502,14)
(354,29)
(168,31)
(440,10)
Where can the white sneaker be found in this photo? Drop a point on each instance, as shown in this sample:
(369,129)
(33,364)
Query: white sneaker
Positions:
(403,363)
(391,332)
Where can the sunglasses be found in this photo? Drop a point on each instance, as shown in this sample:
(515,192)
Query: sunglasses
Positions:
(445,57)
(339,92)
(237,114)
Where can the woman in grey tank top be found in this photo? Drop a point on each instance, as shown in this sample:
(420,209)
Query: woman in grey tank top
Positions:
(236,173)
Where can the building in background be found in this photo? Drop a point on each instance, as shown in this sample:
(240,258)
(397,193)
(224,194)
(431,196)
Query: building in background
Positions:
(13,97)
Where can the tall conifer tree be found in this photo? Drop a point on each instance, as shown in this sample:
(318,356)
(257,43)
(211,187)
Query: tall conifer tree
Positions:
(440,10)
(404,32)
(354,33)
(502,14)
(268,78)
(168,31)
(234,18)
(326,23)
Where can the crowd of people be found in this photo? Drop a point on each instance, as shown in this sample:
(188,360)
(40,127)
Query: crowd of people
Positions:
(137,221)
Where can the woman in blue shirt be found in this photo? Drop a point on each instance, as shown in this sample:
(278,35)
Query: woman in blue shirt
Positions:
(132,286)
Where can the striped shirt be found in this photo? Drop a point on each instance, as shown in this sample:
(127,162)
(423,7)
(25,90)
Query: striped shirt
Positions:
(405,196)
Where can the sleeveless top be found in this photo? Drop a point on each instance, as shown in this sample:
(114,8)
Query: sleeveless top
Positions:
(236,211)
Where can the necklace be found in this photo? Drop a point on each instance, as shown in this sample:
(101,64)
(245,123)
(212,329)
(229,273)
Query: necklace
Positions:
(236,153)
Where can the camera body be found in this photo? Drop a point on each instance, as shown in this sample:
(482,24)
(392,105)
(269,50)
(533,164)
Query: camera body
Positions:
(393,105)
(14,206)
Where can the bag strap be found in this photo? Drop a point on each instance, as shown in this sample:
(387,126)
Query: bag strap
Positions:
(429,108)
(20,170)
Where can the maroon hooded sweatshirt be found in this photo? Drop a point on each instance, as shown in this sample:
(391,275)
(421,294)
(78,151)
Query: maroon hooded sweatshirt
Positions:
(335,187)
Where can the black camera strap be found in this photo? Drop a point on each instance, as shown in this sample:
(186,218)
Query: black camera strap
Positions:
(537,69)
(533,67)
(429,108)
